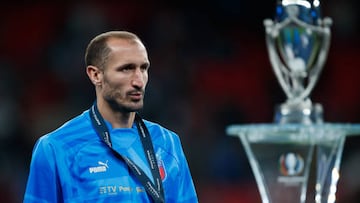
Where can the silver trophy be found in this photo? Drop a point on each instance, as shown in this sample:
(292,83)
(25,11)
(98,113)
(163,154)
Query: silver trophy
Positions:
(297,157)
(298,42)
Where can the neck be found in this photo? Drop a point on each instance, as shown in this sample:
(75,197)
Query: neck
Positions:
(117,119)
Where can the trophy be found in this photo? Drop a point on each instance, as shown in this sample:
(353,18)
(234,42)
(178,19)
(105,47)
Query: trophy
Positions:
(298,42)
(297,157)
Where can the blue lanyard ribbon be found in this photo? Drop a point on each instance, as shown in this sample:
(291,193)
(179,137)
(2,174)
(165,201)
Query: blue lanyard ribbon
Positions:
(156,190)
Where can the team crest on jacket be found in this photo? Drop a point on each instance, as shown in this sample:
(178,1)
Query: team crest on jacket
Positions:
(162,170)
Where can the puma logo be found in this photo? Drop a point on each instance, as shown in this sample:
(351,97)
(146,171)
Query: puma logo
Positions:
(102,167)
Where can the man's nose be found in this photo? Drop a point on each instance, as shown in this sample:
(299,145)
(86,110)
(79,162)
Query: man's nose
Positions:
(138,78)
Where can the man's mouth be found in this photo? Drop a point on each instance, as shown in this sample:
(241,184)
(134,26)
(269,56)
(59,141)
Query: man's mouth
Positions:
(136,95)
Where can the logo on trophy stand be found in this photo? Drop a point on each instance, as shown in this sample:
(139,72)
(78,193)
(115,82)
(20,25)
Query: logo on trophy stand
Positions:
(298,42)
(291,164)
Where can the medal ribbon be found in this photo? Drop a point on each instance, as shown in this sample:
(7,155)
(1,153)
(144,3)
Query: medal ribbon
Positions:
(155,190)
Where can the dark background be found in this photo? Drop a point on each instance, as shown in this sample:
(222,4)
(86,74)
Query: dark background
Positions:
(209,69)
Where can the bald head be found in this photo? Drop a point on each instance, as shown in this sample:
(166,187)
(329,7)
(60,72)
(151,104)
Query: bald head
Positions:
(97,52)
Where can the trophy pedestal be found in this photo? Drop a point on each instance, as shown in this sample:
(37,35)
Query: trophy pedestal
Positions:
(295,162)
(305,113)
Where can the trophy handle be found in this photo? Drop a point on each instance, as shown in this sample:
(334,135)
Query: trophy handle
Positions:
(274,58)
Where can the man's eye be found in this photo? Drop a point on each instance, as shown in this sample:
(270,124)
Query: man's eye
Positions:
(126,68)
(144,67)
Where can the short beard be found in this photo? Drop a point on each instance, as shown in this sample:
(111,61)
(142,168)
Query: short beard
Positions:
(121,108)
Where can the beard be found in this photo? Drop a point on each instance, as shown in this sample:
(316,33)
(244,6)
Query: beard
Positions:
(124,107)
(122,101)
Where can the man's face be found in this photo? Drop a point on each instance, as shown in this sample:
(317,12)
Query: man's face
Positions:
(125,75)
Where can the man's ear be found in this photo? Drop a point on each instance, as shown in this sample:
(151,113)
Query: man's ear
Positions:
(94,74)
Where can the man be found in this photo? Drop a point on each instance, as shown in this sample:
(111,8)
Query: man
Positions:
(108,153)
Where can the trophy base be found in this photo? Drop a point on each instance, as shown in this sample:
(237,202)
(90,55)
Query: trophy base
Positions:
(296,163)
(304,114)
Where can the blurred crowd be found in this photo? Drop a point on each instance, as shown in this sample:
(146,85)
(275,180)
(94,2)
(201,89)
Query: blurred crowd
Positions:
(209,69)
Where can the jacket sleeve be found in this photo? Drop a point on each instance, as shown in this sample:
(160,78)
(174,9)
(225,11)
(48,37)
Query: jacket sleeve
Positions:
(186,188)
(43,183)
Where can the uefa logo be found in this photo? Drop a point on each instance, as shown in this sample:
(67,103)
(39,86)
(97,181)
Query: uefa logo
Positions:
(291,164)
